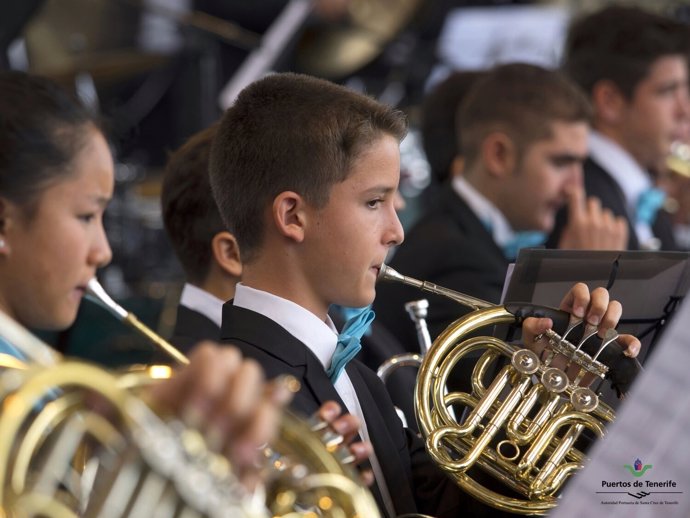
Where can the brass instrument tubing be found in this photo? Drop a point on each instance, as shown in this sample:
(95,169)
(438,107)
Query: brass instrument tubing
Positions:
(99,295)
(386,273)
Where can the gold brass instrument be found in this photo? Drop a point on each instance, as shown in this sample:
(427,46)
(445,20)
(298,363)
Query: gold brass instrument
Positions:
(417,310)
(75,440)
(61,458)
(519,428)
(308,470)
(678,160)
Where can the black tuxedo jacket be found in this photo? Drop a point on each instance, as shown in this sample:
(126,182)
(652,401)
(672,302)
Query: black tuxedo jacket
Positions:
(450,247)
(191,327)
(599,183)
(414,482)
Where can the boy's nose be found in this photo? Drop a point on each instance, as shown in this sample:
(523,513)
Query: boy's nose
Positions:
(397,233)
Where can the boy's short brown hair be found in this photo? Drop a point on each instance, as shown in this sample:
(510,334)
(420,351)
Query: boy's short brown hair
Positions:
(620,44)
(290,132)
(522,101)
(190,214)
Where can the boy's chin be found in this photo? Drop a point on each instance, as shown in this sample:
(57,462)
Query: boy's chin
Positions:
(362,301)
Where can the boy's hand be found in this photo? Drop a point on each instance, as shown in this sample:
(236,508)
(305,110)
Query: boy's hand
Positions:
(348,426)
(597,311)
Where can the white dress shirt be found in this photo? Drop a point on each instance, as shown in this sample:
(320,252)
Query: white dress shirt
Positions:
(632,179)
(486,212)
(202,301)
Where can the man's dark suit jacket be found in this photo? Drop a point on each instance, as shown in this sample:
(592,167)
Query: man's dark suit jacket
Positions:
(191,327)
(599,183)
(450,247)
(415,483)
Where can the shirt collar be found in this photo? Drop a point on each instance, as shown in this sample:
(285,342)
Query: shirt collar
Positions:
(621,166)
(319,336)
(202,301)
(492,218)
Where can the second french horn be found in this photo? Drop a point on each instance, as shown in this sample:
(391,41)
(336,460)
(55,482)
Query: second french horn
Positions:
(76,440)
(521,427)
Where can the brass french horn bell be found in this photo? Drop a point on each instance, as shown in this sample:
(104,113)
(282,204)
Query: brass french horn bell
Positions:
(521,426)
(60,458)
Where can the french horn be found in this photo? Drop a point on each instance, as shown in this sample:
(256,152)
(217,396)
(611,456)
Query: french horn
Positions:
(76,440)
(521,428)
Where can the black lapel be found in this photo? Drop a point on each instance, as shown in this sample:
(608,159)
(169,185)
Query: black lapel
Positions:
(384,446)
(470,224)
(247,326)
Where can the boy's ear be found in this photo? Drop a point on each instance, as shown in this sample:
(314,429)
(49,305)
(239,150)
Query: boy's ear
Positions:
(499,154)
(608,102)
(226,252)
(457,166)
(289,215)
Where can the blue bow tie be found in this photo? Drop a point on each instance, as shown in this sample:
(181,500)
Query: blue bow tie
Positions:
(527,239)
(648,204)
(9,349)
(349,339)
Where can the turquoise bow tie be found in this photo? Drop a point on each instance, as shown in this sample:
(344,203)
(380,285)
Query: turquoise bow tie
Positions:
(349,339)
(648,204)
(527,239)
(9,349)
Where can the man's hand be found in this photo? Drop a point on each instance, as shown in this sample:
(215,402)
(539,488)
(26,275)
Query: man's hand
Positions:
(591,227)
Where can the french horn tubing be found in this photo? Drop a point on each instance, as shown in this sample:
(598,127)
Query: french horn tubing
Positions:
(520,428)
(417,310)
(60,458)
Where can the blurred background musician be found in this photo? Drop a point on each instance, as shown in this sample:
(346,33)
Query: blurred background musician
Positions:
(208,253)
(523,131)
(633,64)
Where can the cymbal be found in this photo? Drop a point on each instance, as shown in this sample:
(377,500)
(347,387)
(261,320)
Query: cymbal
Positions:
(333,52)
(105,67)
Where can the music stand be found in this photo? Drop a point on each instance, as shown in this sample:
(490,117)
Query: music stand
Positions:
(649,285)
(641,469)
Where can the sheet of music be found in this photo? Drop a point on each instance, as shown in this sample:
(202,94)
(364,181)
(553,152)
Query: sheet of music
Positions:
(642,467)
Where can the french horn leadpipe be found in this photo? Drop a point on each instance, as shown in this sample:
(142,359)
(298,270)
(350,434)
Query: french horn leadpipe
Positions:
(521,415)
(95,292)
